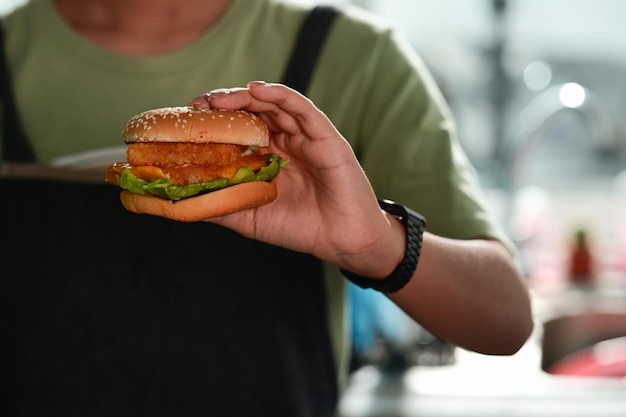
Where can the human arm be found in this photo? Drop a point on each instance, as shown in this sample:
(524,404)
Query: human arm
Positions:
(467,292)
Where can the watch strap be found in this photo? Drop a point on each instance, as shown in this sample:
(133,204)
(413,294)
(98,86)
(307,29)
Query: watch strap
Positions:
(414,224)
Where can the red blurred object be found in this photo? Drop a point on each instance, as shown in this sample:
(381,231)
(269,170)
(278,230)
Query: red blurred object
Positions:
(604,359)
(581,259)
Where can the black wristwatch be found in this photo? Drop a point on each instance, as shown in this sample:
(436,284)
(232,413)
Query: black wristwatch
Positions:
(415,224)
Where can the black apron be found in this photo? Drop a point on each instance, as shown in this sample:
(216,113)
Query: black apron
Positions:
(109,313)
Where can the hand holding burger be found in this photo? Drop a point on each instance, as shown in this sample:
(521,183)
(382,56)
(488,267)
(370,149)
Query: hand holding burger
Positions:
(219,159)
(325,204)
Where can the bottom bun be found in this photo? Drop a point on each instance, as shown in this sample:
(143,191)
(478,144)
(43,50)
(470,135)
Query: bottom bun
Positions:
(214,204)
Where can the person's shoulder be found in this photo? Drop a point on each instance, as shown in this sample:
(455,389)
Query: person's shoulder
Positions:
(366,19)
(12,15)
(357,22)
(17,25)
(283,9)
(351,18)
(361,28)
(26,17)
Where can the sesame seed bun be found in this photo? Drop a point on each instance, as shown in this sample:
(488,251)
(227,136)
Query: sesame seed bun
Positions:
(214,204)
(186,124)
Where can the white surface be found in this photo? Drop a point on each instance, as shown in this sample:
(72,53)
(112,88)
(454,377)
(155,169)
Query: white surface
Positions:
(485,386)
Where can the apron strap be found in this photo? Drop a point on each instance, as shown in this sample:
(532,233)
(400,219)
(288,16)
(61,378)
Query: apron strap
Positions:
(308,46)
(15,145)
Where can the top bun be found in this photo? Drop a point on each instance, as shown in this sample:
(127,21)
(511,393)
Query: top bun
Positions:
(186,124)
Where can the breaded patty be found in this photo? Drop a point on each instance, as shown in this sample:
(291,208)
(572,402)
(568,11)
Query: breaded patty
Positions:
(170,154)
(188,173)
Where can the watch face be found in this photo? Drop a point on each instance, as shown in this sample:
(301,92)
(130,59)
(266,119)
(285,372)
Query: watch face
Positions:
(400,211)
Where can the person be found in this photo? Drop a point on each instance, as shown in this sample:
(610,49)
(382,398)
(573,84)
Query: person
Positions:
(106,312)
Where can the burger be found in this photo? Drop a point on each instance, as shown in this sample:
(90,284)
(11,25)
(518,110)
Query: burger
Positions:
(189,164)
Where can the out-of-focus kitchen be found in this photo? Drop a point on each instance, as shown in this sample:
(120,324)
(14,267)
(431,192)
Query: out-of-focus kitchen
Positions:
(538,92)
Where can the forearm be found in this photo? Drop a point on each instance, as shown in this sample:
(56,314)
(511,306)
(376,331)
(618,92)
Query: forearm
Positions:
(469,293)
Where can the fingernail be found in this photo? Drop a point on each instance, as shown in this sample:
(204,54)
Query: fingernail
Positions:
(218,94)
(199,101)
(205,99)
(258,84)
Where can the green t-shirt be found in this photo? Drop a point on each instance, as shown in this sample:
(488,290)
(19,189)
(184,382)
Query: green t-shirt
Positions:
(74,98)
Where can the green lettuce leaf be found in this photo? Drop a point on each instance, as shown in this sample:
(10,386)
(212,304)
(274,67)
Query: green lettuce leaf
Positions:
(170,190)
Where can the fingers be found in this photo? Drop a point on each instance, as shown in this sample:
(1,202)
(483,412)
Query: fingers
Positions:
(271,93)
(282,108)
(204,101)
(240,98)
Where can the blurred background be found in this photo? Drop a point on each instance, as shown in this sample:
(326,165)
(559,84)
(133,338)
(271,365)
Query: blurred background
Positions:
(538,90)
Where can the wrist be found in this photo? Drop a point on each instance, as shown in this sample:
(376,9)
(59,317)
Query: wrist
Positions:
(413,225)
(392,252)
(378,260)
